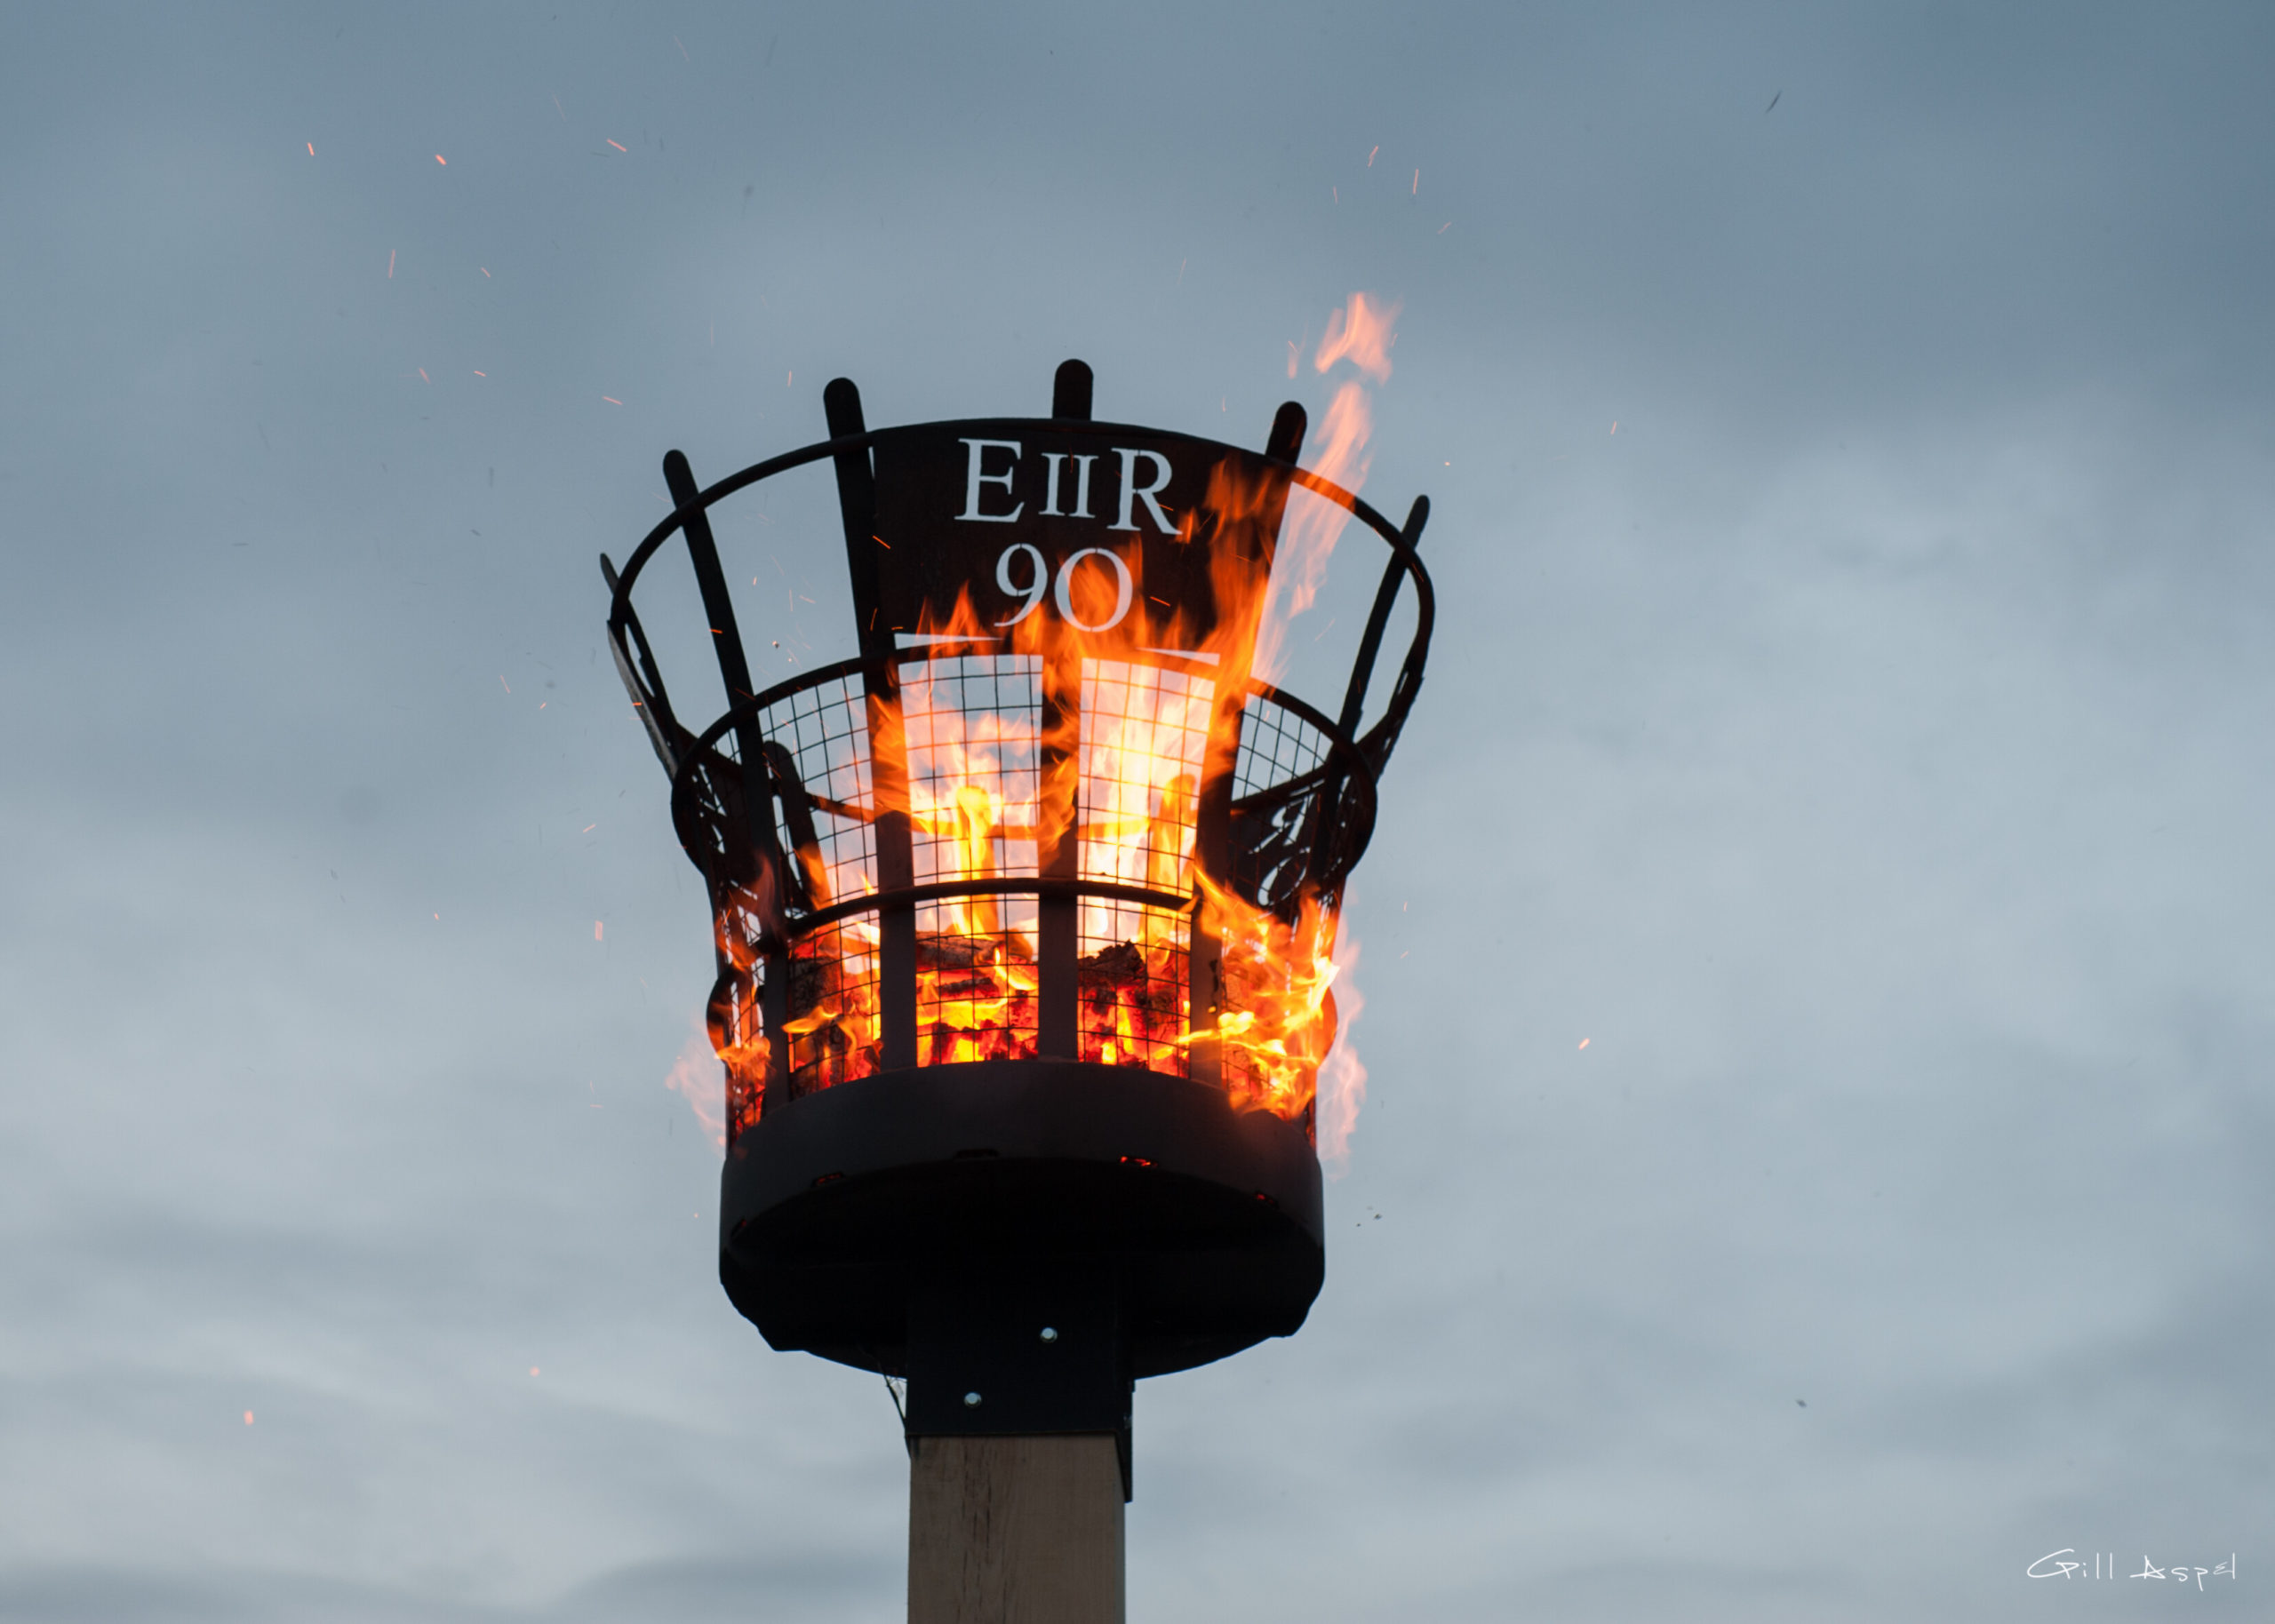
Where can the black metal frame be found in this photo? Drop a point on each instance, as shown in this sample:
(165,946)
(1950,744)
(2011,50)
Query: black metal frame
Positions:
(1149,1224)
(1299,837)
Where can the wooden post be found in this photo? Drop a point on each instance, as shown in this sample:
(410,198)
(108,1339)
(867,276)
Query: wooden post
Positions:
(1019,1530)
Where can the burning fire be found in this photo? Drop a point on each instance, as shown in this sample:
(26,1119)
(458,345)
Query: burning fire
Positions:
(994,792)
(1084,756)
(1361,333)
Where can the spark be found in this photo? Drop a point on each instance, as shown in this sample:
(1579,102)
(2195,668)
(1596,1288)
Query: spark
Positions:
(588,828)
(247,1418)
(786,377)
(1180,270)
(478,373)
(1614,426)
(564,119)
(1339,195)
(619,145)
(1583,1043)
(1371,157)
(1417,183)
(596,930)
(1442,230)
(390,265)
(503,684)
(682,51)
(422,376)
(440,159)
(312,150)
(485,271)
(532,1369)
(612,400)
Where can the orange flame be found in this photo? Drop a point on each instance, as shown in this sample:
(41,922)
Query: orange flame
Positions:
(1105,753)
(1361,333)
(690,1076)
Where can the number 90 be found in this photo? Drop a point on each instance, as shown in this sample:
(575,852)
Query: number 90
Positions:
(1038,584)
(1038,579)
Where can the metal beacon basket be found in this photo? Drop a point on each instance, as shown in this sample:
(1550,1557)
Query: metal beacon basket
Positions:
(1024,912)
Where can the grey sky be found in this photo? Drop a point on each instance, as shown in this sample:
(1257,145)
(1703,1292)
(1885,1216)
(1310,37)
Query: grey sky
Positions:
(1863,748)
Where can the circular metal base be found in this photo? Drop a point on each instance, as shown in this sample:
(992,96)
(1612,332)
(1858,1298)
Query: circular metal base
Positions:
(838,1210)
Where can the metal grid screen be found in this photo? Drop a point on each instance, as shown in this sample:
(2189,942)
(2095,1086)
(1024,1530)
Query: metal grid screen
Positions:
(973,725)
(1145,733)
(825,731)
(972,729)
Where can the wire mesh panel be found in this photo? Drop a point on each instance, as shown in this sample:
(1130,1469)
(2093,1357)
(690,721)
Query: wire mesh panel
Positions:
(1278,781)
(972,728)
(819,749)
(1144,739)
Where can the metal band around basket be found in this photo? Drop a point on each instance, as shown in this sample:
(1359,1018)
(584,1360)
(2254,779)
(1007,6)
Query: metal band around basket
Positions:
(1342,749)
(1400,546)
(1060,890)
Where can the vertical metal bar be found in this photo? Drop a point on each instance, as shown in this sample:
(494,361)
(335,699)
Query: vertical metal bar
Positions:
(695,524)
(734,670)
(1287,436)
(1204,952)
(856,503)
(1354,697)
(1362,669)
(1058,919)
(1017,1529)
(1212,838)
